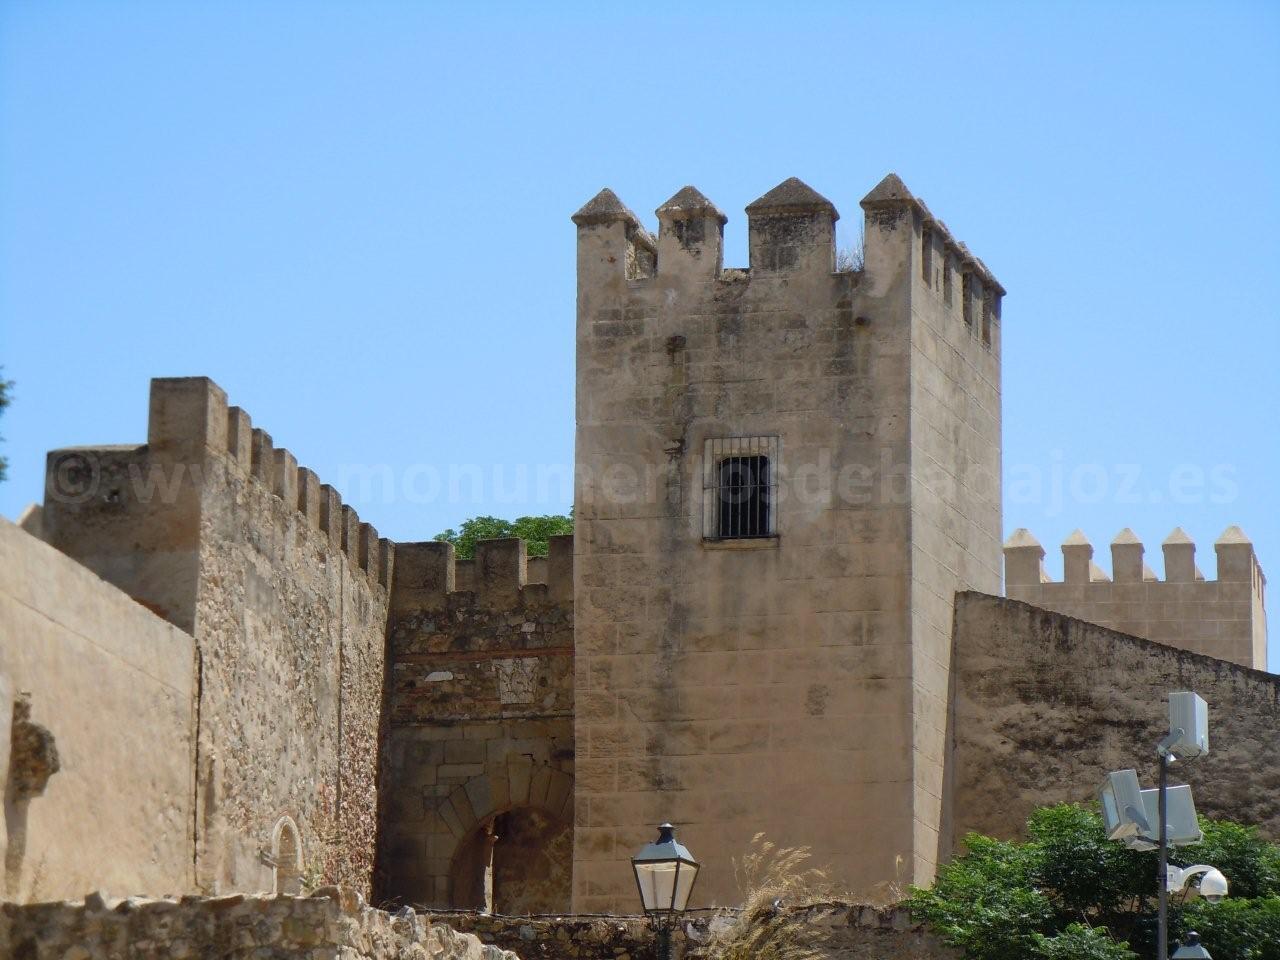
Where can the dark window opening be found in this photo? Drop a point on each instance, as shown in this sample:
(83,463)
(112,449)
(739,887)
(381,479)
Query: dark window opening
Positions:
(744,501)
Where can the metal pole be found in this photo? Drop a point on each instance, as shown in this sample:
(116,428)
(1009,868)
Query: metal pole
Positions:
(664,942)
(1162,872)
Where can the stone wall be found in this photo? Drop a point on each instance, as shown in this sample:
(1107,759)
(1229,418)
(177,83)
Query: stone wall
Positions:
(847,931)
(479,759)
(817,653)
(333,924)
(285,591)
(1225,617)
(1046,705)
(955,423)
(97,731)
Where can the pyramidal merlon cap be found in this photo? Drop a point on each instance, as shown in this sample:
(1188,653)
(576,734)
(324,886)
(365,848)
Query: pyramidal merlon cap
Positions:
(1232,534)
(793,196)
(689,201)
(1022,538)
(889,190)
(1176,537)
(1125,536)
(605,207)
(1077,539)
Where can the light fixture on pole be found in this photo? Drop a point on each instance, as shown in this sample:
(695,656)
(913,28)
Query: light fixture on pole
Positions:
(1191,949)
(665,873)
(1189,735)
(1213,885)
(1164,817)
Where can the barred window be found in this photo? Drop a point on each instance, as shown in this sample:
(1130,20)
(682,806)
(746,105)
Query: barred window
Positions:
(740,482)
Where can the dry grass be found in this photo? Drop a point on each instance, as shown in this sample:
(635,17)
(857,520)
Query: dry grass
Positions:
(774,881)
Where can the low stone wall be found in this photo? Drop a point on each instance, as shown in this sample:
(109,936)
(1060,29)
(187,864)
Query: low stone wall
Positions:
(845,931)
(332,924)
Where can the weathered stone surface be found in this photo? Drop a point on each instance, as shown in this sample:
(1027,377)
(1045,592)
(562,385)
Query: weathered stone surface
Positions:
(481,706)
(1224,617)
(796,684)
(101,691)
(285,591)
(844,931)
(334,925)
(1046,705)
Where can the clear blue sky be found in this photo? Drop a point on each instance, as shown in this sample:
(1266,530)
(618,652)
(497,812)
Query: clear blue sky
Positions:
(355,218)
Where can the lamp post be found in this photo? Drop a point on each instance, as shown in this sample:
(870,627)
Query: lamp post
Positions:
(665,873)
(1127,816)
(1189,733)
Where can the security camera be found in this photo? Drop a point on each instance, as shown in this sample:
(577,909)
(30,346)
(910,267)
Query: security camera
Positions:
(1213,886)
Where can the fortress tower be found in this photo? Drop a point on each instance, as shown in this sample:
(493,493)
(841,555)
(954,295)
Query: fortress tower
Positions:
(784,474)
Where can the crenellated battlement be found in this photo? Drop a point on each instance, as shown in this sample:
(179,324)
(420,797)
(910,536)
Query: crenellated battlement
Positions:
(501,576)
(1223,617)
(791,230)
(190,420)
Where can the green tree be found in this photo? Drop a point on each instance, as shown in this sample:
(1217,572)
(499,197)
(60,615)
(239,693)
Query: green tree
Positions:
(5,399)
(1069,892)
(535,530)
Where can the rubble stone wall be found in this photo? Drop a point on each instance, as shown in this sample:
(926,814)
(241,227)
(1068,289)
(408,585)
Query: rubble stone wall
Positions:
(215,529)
(1046,705)
(479,759)
(847,931)
(334,924)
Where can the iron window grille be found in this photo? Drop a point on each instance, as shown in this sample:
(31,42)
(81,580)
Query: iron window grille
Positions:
(739,488)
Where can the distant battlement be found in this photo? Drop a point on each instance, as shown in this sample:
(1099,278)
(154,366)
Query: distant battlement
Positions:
(791,231)
(189,418)
(500,577)
(1223,617)
(1237,562)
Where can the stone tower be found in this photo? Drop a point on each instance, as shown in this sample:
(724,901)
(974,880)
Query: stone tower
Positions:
(784,474)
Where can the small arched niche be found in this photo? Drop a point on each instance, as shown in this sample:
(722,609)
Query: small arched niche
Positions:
(286,853)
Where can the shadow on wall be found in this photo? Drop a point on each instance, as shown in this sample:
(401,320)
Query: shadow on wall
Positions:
(33,759)
(515,863)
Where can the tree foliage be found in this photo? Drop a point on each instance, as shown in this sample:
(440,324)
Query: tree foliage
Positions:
(535,530)
(1069,892)
(6,397)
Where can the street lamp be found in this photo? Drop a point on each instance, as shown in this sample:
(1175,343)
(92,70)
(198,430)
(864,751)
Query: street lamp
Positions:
(665,872)
(1191,949)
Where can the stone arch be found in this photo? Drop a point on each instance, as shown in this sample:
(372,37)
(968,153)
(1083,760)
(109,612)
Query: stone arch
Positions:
(286,855)
(531,805)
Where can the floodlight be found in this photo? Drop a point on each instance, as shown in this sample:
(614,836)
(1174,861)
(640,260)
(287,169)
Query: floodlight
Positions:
(1183,827)
(1123,813)
(1189,713)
